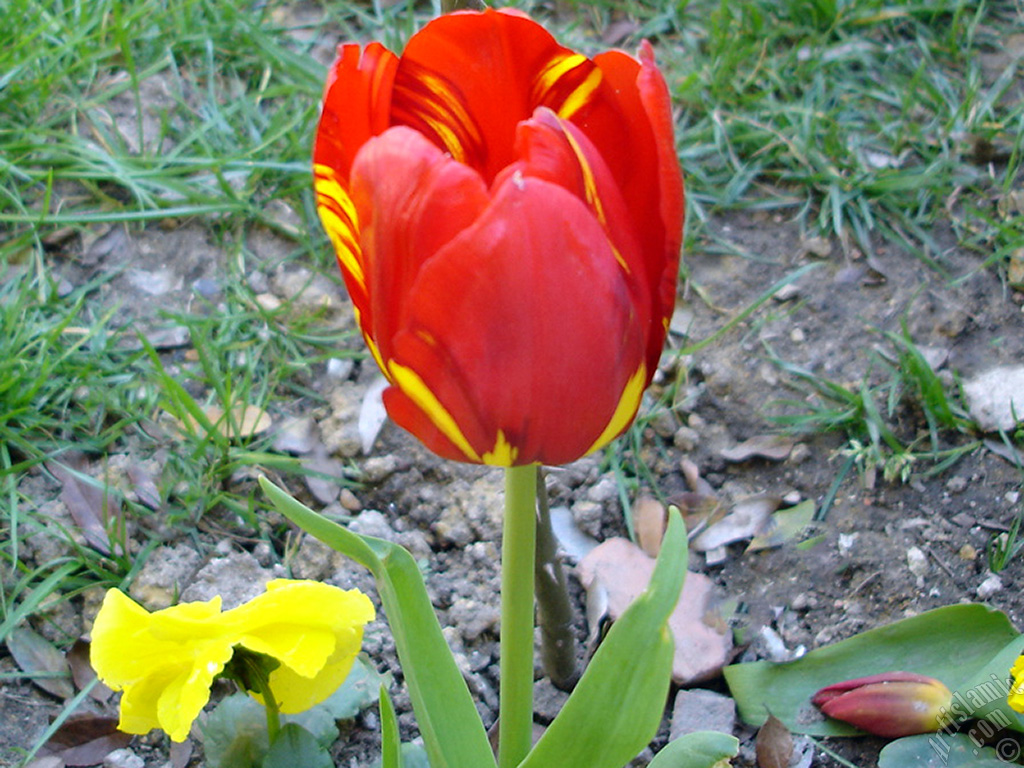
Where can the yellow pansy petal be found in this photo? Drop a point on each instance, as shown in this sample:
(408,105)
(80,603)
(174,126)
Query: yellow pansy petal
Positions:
(1016,695)
(185,696)
(298,622)
(303,649)
(129,643)
(312,629)
(295,693)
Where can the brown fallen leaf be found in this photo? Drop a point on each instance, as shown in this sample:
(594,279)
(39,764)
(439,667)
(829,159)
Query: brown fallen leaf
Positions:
(86,739)
(90,505)
(617,571)
(774,447)
(745,521)
(699,511)
(783,525)
(774,744)
(244,421)
(145,487)
(181,753)
(37,656)
(82,672)
(649,518)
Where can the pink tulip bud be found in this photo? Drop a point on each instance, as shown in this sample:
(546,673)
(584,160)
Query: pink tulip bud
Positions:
(891,704)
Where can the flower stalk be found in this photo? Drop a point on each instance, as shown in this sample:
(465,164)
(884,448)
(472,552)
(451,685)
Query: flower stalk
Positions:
(554,611)
(515,713)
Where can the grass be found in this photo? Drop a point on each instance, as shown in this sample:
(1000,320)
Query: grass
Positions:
(862,120)
(900,417)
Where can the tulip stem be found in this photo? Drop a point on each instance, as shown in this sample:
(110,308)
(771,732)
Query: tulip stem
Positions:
(554,611)
(515,721)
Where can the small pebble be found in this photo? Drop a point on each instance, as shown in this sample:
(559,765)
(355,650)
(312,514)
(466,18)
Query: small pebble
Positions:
(787,292)
(206,287)
(340,368)
(968,553)
(917,562)
(123,758)
(989,587)
(685,439)
(956,484)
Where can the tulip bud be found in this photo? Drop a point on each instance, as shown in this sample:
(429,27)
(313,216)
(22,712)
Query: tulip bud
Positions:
(891,704)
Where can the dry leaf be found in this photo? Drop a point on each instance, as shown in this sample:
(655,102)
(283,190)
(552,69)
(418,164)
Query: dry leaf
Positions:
(86,740)
(774,447)
(746,520)
(617,571)
(245,421)
(784,525)
(34,655)
(774,744)
(699,511)
(649,519)
(145,487)
(82,672)
(90,506)
(181,753)
(47,761)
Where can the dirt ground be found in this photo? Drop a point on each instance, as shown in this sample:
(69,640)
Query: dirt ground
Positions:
(858,576)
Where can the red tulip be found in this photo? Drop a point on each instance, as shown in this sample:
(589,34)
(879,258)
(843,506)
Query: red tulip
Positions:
(507,215)
(891,704)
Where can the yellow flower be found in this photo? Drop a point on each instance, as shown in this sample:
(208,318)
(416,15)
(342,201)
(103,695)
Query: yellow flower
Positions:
(1016,696)
(166,661)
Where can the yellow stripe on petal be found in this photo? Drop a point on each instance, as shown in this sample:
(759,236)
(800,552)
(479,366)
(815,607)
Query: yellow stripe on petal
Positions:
(416,390)
(590,190)
(589,184)
(341,221)
(558,66)
(581,95)
(624,411)
(503,454)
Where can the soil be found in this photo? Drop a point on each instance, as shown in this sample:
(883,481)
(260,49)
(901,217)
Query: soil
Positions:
(858,576)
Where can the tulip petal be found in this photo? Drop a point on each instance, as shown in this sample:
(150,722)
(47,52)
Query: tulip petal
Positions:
(357,100)
(465,80)
(503,342)
(412,199)
(891,709)
(356,106)
(647,169)
(555,150)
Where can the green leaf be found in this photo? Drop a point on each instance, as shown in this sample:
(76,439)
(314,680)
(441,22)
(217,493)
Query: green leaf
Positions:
(295,747)
(318,721)
(703,749)
(359,691)
(619,702)
(956,644)
(447,717)
(235,733)
(413,756)
(933,750)
(391,742)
